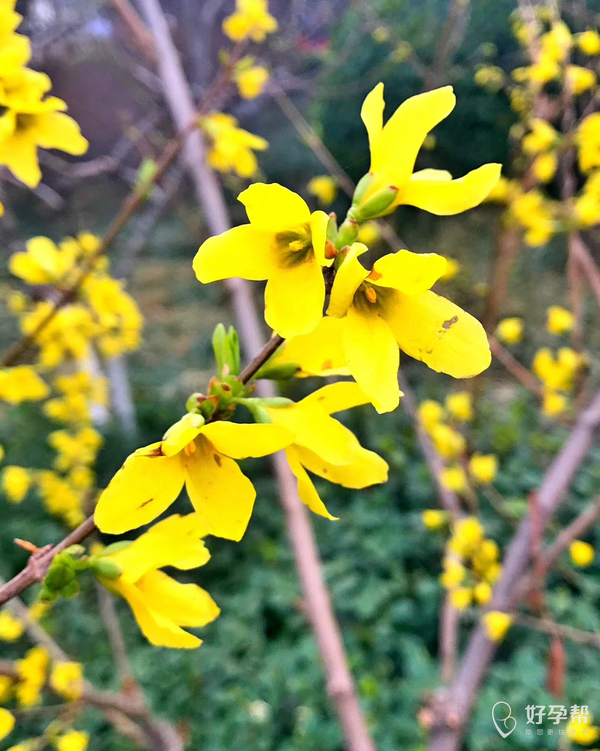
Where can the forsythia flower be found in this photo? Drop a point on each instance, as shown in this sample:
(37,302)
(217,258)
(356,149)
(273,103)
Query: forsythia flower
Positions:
(482,592)
(452,268)
(460,405)
(582,553)
(6,686)
(320,353)
(579,79)
(369,234)
(483,468)
(534,213)
(283,243)
(32,675)
(231,149)
(75,740)
(324,188)
(554,403)
(431,413)
(394,148)
(583,733)
(589,42)
(557,371)
(324,446)
(201,457)
(454,478)
(461,597)
(252,81)
(161,605)
(15,483)
(66,678)
(42,262)
(541,137)
(510,330)
(7,723)
(21,384)
(544,166)
(251,20)
(434,519)
(448,442)
(496,624)
(11,628)
(559,320)
(391,307)
(468,533)
(588,140)
(454,573)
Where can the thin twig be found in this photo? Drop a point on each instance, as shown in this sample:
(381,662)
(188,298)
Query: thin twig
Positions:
(514,367)
(547,626)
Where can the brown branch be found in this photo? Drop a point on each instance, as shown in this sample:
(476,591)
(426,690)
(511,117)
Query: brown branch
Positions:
(508,244)
(580,250)
(269,349)
(108,613)
(448,638)
(140,34)
(514,367)
(451,707)
(547,626)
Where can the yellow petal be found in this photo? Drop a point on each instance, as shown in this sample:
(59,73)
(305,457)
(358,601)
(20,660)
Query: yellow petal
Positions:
(144,487)
(294,298)
(219,491)
(306,490)
(273,208)
(371,114)
(411,273)
(318,227)
(175,541)
(184,604)
(55,130)
(445,197)
(156,627)
(319,353)
(438,332)
(348,279)
(367,468)
(240,252)
(337,397)
(373,356)
(181,433)
(241,441)
(19,154)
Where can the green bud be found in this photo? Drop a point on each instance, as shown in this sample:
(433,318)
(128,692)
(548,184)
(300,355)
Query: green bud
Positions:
(347,234)
(106,568)
(234,348)
(220,346)
(277,372)
(192,404)
(332,228)
(226,347)
(74,550)
(145,177)
(47,595)
(71,590)
(60,573)
(361,188)
(113,548)
(378,204)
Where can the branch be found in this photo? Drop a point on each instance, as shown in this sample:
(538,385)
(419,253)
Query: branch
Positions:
(547,626)
(514,367)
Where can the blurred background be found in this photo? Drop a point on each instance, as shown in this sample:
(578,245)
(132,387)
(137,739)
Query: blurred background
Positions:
(257,683)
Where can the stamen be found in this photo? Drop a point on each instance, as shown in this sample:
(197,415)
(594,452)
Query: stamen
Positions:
(190,448)
(296,245)
(370,294)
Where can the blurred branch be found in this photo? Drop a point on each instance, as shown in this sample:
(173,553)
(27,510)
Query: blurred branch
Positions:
(591,272)
(514,367)
(210,196)
(450,38)
(448,638)
(142,38)
(508,244)
(450,707)
(547,626)
(108,613)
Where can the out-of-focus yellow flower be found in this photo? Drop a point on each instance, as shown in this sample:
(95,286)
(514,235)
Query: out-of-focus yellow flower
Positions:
(461,597)
(557,371)
(581,731)
(251,82)
(324,188)
(6,689)
(503,191)
(460,405)
(11,628)
(541,137)
(483,468)
(231,149)
(510,330)
(32,676)
(579,79)
(582,553)
(587,138)
(7,723)
(285,244)
(251,20)
(16,482)
(467,535)
(454,478)
(394,148)
(490,77)
(587,210)
(401,52)
(496,624)
(534,213)
(75,740)
(431,413)
(557,42)
(482,592)
(434,519)
(559,320)
(544,166)
(66,678)
(381,34)
(589,42)
(554,403)
(448,442)
(454,573)
(452,269)
(21,384)
(369,234)
(42,263)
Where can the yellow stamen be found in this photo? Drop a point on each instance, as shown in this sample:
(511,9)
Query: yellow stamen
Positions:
(370,294)
(296,245)
(190,448)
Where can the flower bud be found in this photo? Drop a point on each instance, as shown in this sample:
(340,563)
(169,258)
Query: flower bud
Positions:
(106,568)
(347,233)
(277,372)
(377,204)
(361,188)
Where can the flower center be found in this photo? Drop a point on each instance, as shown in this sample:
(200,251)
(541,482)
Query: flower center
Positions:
(295,245)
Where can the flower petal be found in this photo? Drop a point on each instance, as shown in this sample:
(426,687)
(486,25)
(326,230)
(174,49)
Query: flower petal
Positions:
(336,397)
(306,489)
(371,114)
(273,208)
(144,487)
(445,337)
(319,353)
(367,468)
(184,604)
(240,252)
(318,227)
(294,298)
(373,356)
(411,273)
(219,491)
(55,130)
(348,279)
(241,441)
(446,196)
(181,433)
(19,154)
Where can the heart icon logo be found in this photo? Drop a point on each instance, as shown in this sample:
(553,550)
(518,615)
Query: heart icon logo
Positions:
(504,721)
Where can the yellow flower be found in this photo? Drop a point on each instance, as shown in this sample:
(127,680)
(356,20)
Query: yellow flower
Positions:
(75,740)
(15,483)
(482,592)
(15,49)
(483,468)
(32,675)
(11,628)
(587,138)
(394,148)
(468,533)
(582,553)
(434,519)
(42,263)
(7,723)
(252,81)
(542,137)
(324,446)
(557,371)
(324,188)
(200,456)
(461,597)
(587,210)
(21,384)
(460,405)
(161,605)
(447,441)
(554,403)
(535,214)
(431,413)
(6,688)
(283,243)
(496,624)
(454,573)
(369,234)
(454,478)
(544,166)
(579,79)
(320,353)
(490,77)
(381,34)
(581,731)
(452,269)
(251,20)
(231,149)
(559,320)
(557,42)
(589,42)
(391,307)
(510,330)
(66,679)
